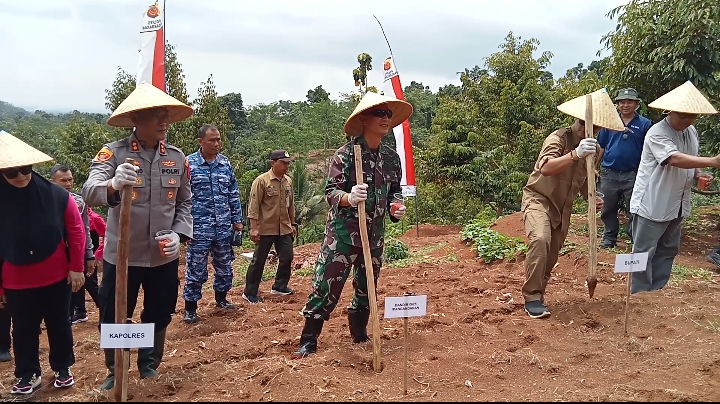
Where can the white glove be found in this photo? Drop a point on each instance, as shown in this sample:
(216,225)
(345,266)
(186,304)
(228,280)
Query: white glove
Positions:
(358,193)
(586,147)
(400,212)
(125,174)
(173,247)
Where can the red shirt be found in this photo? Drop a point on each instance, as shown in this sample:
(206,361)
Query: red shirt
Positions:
(97,224)
(55,267)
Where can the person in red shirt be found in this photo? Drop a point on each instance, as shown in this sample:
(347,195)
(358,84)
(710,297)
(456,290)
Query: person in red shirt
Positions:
(42,242)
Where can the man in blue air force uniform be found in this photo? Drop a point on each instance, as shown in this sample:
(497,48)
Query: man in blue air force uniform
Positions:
(216,213)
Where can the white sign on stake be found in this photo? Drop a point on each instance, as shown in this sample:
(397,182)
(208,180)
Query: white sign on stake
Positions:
(113,336)
(636,262)
(405,306)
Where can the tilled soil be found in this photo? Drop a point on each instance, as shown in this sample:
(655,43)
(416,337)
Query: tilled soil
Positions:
(476,343)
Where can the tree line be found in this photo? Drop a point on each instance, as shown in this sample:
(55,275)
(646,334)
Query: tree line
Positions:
(474,143)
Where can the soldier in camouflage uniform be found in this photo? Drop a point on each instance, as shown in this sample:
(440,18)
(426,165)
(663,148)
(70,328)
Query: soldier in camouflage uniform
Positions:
(216,213)
(342,249)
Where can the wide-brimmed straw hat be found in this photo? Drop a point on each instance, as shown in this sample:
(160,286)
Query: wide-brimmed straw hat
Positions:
(147,96)
(16,153)
(401,111)
(685,98)
(604,113)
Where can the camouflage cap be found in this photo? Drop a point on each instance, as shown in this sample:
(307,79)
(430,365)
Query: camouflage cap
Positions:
(627,94)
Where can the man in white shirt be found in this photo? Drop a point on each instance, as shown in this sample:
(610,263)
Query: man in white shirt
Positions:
(661,196)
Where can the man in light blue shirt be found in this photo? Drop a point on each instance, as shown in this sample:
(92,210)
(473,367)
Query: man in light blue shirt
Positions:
(661,196)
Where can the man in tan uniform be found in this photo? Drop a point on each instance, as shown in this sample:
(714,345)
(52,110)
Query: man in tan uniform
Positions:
(160,202)
(560,173)
(272,222)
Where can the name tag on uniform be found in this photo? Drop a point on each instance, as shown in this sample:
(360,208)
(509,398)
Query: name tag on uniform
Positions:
(169,171)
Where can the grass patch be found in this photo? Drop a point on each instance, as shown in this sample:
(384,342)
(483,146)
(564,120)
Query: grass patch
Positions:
(416,257)
(712,325)
(682,273)
(303,272)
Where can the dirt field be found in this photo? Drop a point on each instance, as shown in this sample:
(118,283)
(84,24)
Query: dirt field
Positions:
(475,344)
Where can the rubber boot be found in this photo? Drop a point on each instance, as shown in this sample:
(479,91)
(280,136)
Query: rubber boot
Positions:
(221,301)
(308,337)
(149,358)
(357,322)
(109,382)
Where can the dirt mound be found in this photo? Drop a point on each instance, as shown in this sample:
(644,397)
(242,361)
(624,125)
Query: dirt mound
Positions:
(510,225)
(475,343)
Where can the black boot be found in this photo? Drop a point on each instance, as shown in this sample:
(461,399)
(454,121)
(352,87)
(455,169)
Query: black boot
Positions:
(109,382)
(190,312)
(357,321)
(714,257)
(149,358)
(221,301)
(308,337)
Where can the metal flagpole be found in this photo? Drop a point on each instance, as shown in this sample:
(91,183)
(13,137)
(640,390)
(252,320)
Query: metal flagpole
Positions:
(417,214)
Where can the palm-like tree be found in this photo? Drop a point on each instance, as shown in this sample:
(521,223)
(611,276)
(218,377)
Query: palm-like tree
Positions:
(309,200)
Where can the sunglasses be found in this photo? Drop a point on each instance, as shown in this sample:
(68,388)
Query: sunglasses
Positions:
(12,173)
(379,113)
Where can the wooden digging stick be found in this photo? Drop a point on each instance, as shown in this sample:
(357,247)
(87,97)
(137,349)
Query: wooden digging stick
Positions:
(369,274)
(122,356)
(627,301)
(592,212)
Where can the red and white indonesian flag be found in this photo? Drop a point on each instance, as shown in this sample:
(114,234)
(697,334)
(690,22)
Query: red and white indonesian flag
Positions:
(403,140)
(151,67)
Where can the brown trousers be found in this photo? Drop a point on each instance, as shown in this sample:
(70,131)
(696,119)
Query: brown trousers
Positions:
(544,247)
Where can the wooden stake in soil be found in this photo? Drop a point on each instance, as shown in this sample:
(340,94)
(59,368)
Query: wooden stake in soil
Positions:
(592,212)
(122,356)
(627,301)
(405,320)
(370,276)
(406,356)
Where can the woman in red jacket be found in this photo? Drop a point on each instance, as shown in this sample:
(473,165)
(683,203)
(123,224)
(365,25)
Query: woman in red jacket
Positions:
(42,241)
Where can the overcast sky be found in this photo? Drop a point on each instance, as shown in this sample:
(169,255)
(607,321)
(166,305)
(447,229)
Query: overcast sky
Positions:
(63,54)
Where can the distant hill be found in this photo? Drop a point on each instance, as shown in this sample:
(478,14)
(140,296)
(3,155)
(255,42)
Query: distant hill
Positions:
(8,110)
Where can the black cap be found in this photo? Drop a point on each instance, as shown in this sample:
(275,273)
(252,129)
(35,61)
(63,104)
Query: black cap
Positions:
(281,155)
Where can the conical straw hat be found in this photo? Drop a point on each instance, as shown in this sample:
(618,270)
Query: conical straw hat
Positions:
(16,153)
(685,98)
(604,113)
(401,111)
(147,96)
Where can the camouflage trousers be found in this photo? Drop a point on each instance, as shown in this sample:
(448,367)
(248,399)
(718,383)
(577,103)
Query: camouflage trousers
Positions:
(196,272)
(332,270)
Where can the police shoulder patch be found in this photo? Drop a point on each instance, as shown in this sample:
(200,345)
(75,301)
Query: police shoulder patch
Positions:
(103,155)
(187,167)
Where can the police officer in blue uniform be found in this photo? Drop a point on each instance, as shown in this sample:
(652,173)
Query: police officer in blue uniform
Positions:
(216,213)
(621,152)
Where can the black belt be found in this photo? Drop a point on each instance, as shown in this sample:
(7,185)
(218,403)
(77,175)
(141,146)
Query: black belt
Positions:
(621,172)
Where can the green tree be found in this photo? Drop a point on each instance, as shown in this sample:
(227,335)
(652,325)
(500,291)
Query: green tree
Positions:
(424,104)
(310,201)
(487,138)
(360,72)
(233,104)
(80,140)
(659,44)
(318,94)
